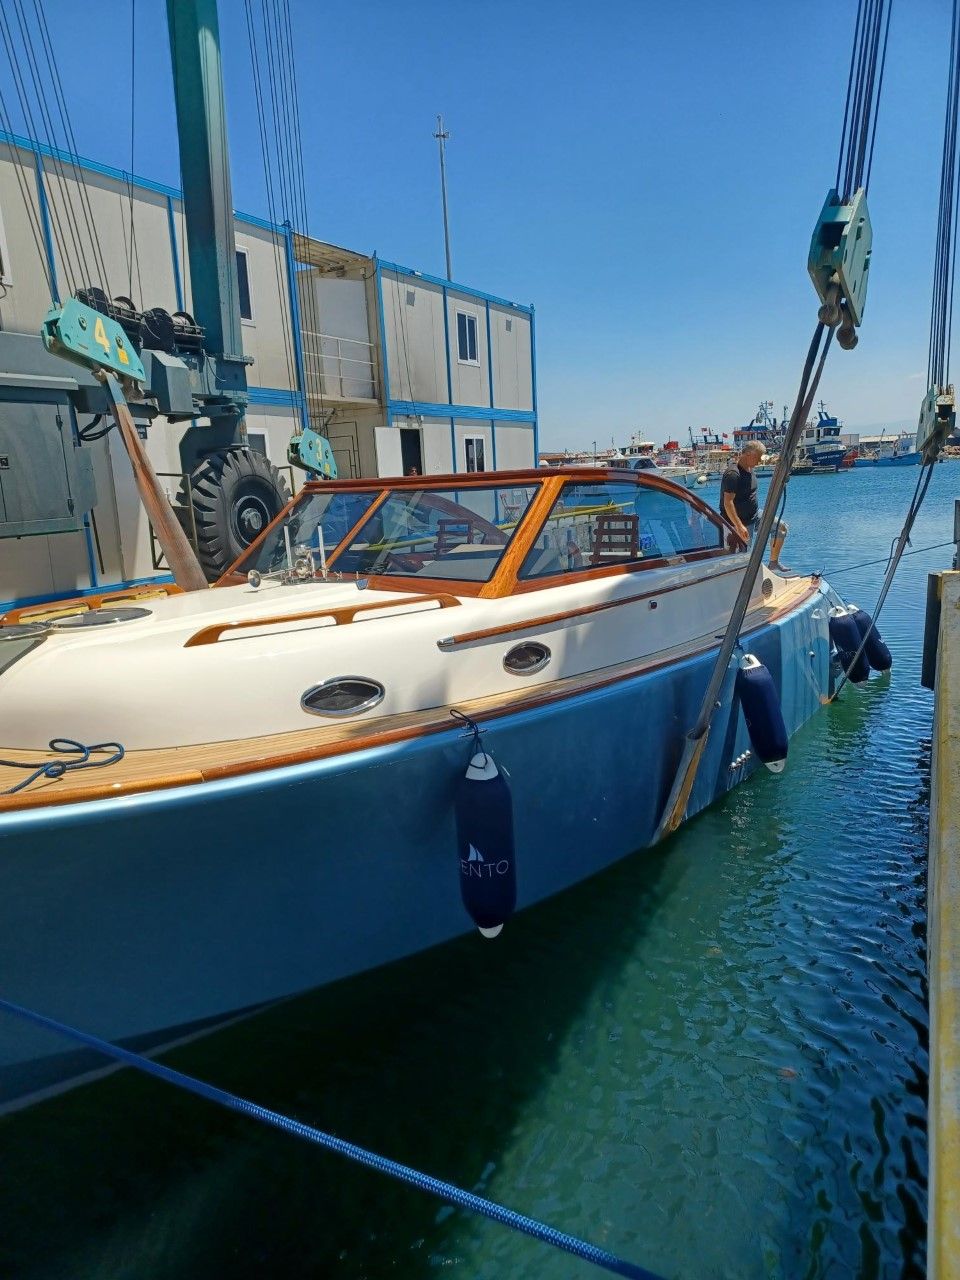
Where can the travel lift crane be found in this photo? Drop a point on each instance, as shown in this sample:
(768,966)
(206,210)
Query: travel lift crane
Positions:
(186,368)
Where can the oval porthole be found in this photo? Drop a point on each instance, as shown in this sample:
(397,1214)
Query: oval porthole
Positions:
(343,696)
(526,658)
(767,588)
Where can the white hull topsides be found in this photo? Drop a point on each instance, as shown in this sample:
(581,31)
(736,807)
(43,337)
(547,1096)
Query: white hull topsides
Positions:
(143,684)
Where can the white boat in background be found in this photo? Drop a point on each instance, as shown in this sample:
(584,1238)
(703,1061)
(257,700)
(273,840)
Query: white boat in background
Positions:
(640,455)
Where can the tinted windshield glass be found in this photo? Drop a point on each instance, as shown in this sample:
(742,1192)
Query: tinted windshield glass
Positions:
(430,533)
(616,522)
(334,513)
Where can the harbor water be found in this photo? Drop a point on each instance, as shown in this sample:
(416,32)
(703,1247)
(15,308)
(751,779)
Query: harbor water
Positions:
(710,1059)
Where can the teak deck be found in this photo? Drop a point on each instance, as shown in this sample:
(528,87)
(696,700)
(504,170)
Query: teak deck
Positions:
(164,767)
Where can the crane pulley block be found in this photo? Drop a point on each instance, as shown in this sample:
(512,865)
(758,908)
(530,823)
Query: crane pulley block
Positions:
(84,336)
(311,451)
(938,419)
(839,261)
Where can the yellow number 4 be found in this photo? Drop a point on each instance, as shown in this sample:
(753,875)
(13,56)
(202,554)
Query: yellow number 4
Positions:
(100,336)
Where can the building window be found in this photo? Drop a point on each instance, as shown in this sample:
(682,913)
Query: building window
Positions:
(243,280)
(467,338)
(257,442)
(473,447)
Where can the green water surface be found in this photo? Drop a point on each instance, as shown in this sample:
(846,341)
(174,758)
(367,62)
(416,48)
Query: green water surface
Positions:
(710,1059)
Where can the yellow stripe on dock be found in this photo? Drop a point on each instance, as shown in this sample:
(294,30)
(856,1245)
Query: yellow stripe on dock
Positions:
(943,948)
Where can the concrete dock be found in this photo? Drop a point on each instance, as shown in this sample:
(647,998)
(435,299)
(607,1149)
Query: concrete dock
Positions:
(943,945)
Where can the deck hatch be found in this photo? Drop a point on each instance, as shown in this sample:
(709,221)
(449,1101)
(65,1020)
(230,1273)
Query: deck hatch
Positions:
(16,640)
(100,617)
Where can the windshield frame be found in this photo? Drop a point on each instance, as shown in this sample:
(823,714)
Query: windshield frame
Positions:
(504,581)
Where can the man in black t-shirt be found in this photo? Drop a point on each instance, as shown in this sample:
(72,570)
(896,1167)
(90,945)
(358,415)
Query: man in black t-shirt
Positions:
(738,500)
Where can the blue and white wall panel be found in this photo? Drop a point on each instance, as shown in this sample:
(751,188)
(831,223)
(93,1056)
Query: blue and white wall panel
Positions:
(451,395)
(159,276)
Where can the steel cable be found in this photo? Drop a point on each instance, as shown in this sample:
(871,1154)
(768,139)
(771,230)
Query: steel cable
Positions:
(62,242)
(33,217)
(67,192)
(71,145)
(285,318)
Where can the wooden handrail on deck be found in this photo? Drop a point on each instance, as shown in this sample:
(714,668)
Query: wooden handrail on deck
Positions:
(342,616)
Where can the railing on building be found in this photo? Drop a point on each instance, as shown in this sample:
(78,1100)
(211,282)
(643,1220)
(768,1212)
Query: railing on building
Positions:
(341,368)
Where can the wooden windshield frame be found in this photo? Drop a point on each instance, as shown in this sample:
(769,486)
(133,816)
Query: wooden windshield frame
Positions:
(505,580)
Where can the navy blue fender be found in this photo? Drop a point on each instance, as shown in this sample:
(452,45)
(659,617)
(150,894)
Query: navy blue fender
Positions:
(761,710)
(488,875)
(847,639)
(877,653)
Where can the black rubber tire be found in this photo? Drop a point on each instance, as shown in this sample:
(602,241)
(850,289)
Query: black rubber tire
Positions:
(236,493)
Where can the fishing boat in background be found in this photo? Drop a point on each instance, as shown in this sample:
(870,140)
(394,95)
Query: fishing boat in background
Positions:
(899,452)
(710,453)
(281,781)
(821,444)
(763,429)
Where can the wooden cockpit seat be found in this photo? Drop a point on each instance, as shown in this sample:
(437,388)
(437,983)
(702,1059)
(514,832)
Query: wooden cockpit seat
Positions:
(615,536)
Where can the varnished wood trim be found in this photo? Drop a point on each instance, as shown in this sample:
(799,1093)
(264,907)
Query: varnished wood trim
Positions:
(615,570)
(504,580)
(341,617)
(50,796)
(80,604)
(519,476)
(547,619)
(535,697)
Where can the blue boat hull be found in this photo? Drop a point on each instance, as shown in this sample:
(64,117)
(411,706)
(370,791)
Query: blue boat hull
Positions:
(894,460)
(150,912)
(826,457)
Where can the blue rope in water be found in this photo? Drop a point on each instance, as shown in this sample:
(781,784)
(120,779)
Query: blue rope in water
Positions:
(403,1173)
(57,768)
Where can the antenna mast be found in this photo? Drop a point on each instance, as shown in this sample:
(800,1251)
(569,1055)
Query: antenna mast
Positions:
(441,138)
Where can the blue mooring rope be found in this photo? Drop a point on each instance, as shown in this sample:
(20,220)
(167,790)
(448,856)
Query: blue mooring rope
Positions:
(57,768)
(403,1173)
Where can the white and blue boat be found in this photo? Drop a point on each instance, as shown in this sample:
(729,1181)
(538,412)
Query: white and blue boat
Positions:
(902,453)
(272,795)
(822,446)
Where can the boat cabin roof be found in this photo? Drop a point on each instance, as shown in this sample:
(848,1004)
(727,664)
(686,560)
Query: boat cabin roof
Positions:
(487,534)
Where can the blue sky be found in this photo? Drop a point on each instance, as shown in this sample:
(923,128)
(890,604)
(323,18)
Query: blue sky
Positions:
(647,175)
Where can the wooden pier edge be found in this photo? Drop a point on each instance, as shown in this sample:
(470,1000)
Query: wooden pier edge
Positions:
(943,948)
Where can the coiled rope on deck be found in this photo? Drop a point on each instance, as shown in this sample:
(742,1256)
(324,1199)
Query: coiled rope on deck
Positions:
(54,769)
(392,1168)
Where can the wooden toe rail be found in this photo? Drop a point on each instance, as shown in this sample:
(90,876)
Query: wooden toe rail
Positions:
(347,614)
